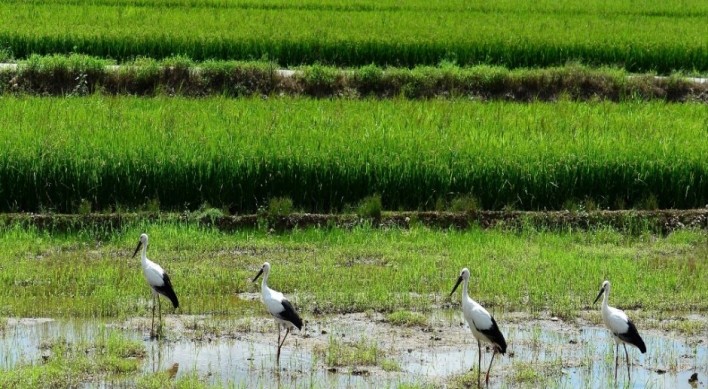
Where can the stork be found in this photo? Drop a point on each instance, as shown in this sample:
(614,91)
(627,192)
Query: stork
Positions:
(483,326)
(623,330)
(278,306)
(157,279)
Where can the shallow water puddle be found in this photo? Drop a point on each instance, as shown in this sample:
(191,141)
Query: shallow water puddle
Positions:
(230,362)
(557,354)
(540,353)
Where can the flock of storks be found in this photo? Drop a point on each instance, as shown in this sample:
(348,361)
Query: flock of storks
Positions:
(483,326)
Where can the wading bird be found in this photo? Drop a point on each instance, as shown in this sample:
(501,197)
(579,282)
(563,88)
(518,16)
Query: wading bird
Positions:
(278,306)
(623,330)
(158,280)
(483,326)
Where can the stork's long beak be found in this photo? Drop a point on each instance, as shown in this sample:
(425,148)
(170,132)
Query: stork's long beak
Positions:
(599,294)
(137,248)
(258,275)
(459,280)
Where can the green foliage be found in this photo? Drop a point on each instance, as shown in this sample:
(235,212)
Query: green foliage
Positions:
(407,318)
(237,154)
(280,206)
(48,274)
(359,353)
(79,75)
(70,362)
(370,207)
(390,365)
(641,37)
(464,204)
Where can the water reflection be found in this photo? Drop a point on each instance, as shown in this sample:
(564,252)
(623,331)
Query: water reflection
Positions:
(548,353)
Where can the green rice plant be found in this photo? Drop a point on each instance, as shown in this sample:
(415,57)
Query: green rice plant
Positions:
(535,34)
(280,206)
(370,207)
(323,154)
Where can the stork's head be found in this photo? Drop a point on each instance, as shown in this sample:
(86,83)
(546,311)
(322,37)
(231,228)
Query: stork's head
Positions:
(464,276)
(264,269)
(605,288)
(143,241)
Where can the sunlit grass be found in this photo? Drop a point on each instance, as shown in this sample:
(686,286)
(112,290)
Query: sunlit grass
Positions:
(238,155)
(407,318)
(65,363)
(363,352)
(45,275)
(514,34)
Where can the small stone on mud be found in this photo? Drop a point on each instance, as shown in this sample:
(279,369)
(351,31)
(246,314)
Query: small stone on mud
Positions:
(554,318)
(694,377)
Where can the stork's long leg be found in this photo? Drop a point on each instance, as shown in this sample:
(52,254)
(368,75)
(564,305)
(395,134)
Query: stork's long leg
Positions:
(627,355)
(490,364)
(479,364)
(159,312)
(152,324)
(617,350)
(277,358)
(284,337)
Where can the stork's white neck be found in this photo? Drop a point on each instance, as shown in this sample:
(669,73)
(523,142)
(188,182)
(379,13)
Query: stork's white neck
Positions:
(143,255)
(605,298)
(465,281)
(264,282)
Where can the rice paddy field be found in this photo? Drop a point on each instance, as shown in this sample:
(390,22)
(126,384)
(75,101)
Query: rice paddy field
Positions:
(657,36)
(369,151)
(381,291)
(106,154)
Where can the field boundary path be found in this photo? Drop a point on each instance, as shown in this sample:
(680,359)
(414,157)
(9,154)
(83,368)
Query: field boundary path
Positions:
(79,76)
(630,221)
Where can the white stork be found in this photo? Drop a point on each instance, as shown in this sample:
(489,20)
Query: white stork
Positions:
(157,279)
(278,306)
(623,330)
(483,326)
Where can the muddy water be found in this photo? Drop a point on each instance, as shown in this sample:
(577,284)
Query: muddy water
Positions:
(546,353)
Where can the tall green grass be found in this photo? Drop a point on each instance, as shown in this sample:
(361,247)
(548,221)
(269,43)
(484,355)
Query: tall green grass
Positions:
(326,155)
(386,270)
(654,37)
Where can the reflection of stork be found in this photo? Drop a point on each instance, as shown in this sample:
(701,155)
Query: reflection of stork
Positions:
(623,330)
(278,306)
(483,326)
(158,280)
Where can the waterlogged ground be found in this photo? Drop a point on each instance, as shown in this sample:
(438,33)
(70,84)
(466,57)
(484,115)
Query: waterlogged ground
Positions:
(367,350)
(406,332)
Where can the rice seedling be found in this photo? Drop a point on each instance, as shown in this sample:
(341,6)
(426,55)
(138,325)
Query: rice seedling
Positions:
(407,318)
(363,352)
(64,363)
